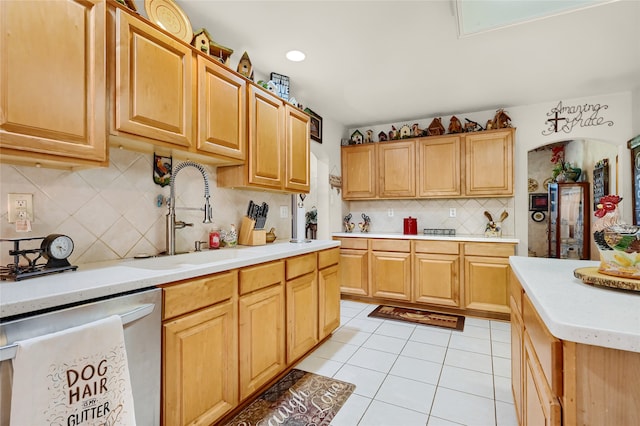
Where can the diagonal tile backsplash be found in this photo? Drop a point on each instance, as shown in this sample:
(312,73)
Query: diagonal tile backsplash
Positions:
(112,212)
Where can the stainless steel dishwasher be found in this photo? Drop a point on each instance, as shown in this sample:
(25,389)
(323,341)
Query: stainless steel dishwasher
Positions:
(141,318)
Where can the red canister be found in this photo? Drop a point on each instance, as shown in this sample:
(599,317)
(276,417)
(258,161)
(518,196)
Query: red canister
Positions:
(410,225)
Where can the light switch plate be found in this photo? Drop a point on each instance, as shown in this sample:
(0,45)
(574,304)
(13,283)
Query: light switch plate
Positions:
(20,206)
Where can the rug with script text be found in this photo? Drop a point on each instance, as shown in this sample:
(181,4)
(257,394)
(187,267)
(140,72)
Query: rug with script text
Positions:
(298,399)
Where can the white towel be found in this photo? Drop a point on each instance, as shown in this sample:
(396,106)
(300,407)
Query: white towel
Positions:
(78,376)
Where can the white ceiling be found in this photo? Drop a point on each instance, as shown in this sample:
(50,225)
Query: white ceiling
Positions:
(371,62)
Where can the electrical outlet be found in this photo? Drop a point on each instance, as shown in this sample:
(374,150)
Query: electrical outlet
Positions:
(390,212)
(284,212)
(452,212)
(20,207)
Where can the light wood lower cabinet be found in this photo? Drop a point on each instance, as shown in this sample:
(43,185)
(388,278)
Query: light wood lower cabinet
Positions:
(328,292)
(486,276)
(200,350)
(354,270)
(302,305)
(262,325)
(436,273)
(391,270)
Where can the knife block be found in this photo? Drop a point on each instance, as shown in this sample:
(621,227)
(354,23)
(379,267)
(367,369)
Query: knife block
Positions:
(249,236)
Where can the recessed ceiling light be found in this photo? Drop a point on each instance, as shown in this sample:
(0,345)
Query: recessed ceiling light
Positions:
(295,55)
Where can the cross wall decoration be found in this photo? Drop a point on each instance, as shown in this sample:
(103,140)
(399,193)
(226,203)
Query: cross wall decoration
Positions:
(571,116)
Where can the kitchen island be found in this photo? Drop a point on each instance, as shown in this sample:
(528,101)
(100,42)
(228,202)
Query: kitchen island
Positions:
(575,347)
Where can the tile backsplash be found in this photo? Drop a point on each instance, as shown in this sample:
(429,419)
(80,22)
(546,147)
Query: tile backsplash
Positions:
(469,220)
(112,213)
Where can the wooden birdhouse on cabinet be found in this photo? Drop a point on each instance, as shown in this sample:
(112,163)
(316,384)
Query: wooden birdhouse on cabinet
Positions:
(202,41)
(435,128)
(501,120)
(244,66)
(221,53)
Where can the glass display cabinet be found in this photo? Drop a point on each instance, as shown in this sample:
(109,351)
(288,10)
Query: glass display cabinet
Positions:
(569,220)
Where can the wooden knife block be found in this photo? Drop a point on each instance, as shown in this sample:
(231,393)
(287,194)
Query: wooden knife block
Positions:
(249,236)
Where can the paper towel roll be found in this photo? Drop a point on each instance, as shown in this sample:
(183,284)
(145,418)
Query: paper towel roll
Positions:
(300,224)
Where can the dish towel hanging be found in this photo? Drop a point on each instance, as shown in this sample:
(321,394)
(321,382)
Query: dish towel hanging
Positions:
(77,376)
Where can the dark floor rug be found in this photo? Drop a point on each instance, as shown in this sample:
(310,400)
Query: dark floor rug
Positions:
(298,399)
(436,319)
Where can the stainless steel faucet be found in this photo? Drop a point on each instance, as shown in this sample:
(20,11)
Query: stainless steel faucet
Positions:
(172,224)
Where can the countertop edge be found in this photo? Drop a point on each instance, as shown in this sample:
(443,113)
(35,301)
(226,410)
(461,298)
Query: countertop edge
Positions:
(104,279)
(594,315)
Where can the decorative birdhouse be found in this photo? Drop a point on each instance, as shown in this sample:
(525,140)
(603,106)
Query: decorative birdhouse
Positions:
(357,138)
(455,126)
(435,128)
(416,131)
(221,53)
(501,120)
(405,131)
(202,40)
(244,66)
(382,137)
(368,136)
(393,133)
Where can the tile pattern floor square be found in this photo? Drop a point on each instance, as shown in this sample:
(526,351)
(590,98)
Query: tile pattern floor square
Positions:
(409,374)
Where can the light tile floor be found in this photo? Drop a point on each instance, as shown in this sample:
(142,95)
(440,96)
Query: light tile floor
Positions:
(409,374)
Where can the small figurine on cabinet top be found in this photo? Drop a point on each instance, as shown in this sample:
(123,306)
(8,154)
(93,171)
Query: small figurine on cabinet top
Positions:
(472,126)
(393,133)
(382,137)
(435,128)
(490,125)
(454,125)
(416,131)
(244,66)
(501,120)
(368,138)
(405,132)
(357,138)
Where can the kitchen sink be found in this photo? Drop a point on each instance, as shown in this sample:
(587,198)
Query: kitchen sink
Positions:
(164,262)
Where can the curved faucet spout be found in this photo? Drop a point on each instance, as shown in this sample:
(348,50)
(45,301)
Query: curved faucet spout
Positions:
(171,215)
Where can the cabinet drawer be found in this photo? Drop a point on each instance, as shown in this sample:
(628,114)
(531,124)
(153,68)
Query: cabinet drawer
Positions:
(329,257)
(353,243)
(188,296)
(489,249)
(442,247)
(256,277)
(548,349)
(300,265)
(391,245)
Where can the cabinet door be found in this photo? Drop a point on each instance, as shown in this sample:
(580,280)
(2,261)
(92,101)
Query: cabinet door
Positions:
(200,365)
(266,136)
(153,88)
(489,163)
(354,272)
(487,283)
(222,110)
(262,337)
(541,407)
(439,167)
(517,355)
(297,150)
(359,172)
(52,82)
(302,315)
(437,279)
(397,169)
(328,300)
(391,275)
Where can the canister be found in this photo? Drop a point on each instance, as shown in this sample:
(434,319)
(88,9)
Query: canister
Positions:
(410,225)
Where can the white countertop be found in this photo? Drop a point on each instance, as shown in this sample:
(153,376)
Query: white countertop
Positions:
(579,312)
(470,238)
(102,279)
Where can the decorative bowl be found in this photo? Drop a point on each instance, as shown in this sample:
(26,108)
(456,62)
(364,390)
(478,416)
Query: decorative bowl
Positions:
(619,247)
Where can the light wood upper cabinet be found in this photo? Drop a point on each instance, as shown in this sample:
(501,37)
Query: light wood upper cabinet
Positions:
(222,110)
(53,83)
(153,88)
(489,163)
(359,172)
(439,167)
(397,169)
(297,150)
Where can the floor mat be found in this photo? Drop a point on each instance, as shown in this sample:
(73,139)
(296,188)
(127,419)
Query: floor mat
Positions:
(298,399)
(436,319)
